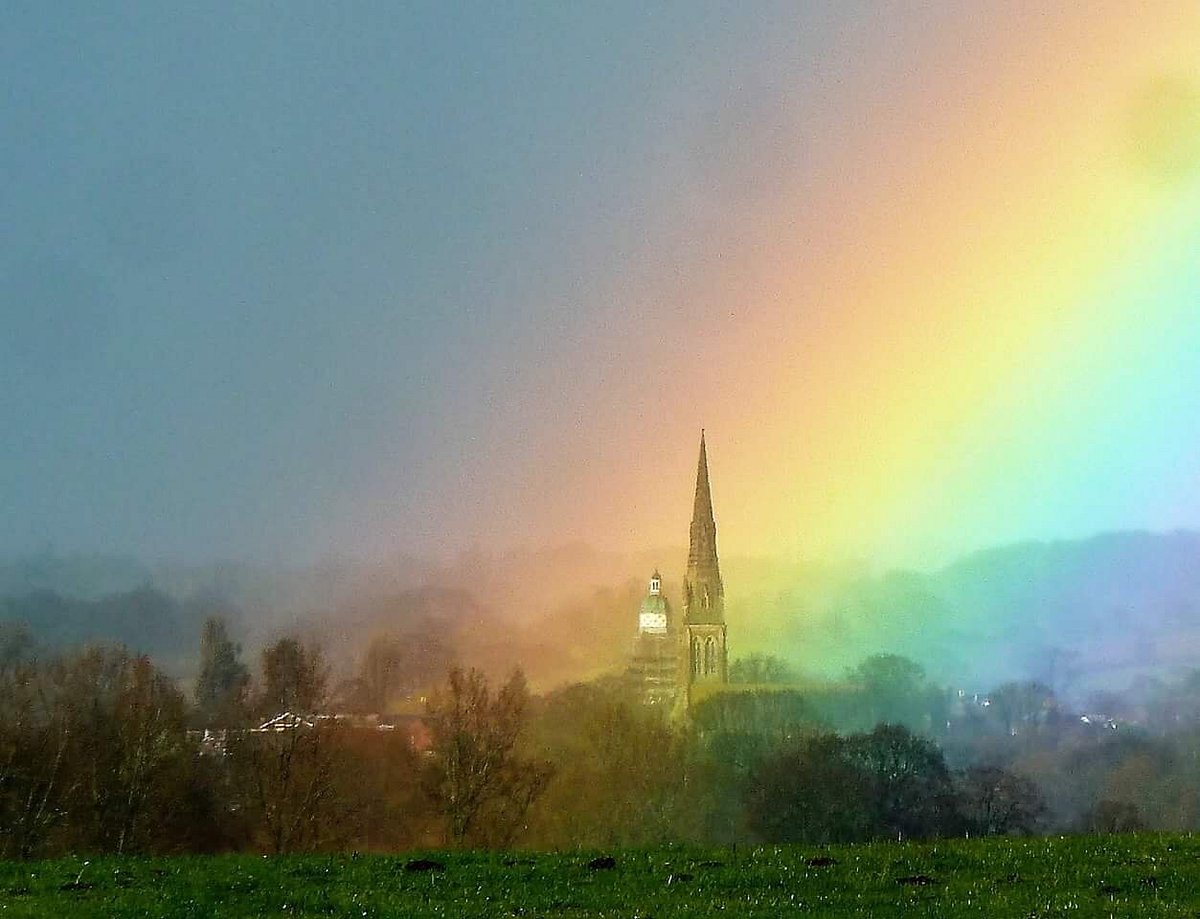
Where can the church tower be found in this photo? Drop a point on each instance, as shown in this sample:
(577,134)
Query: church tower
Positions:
(654,668)
(704,651)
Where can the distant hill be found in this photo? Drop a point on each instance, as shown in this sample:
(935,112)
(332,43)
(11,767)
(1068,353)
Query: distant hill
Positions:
(145,619)
(1099,611)
(1094,613)
(86,577)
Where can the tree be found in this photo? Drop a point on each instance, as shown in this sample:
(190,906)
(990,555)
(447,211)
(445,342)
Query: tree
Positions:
(812,791)
(1113,817)
(128,765)
(36,731)
(283,778)
(996,802)
(380,671)
(294,678)
(16,644)
(1022,707)
(895,691)
(911,791)
(482,782)
(778,715)
(223,679)
(381,794)
(737,731)
(97,754)
(623,776)
(285,785)
(760,668)
(392,667)
(155,757)
(889,673)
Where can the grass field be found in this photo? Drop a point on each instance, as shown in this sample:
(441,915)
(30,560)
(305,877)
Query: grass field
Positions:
(1152,875)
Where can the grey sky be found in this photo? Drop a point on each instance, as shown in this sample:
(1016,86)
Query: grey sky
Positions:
(252,253)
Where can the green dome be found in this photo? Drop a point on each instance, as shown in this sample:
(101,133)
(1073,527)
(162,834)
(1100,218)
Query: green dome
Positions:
(655,603)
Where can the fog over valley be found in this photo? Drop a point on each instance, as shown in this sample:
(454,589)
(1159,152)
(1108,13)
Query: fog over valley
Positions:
(1097,614)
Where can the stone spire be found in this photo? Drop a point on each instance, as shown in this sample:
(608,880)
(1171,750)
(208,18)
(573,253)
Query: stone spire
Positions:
(702,507)
(703,594)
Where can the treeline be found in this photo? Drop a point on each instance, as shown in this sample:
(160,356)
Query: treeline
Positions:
(101,752)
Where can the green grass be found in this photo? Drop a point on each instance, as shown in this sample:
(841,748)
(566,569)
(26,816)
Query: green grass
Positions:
(1151,875)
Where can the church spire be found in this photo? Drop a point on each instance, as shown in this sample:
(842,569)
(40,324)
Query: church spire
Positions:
(704,652)
(703,593)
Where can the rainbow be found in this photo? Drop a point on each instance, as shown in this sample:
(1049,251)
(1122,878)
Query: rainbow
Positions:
(964,311)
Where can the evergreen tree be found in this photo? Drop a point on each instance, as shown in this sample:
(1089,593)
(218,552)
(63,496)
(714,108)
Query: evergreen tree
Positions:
(221,685)
(295,678)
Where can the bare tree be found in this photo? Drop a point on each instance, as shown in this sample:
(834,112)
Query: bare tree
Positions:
(996,802)
(295,678)
(483,783)
(129,747)
(35,734)
(155,755)
(285,783)
(284,776)
(94,755)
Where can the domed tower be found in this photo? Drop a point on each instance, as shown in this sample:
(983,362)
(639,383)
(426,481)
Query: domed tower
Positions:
(654,668)
(704,650)
(653,617)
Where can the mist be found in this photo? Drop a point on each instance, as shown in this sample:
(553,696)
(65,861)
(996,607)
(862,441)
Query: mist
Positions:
(1105,614)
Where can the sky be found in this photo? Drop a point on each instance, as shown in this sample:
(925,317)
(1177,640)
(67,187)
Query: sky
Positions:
(290,281)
